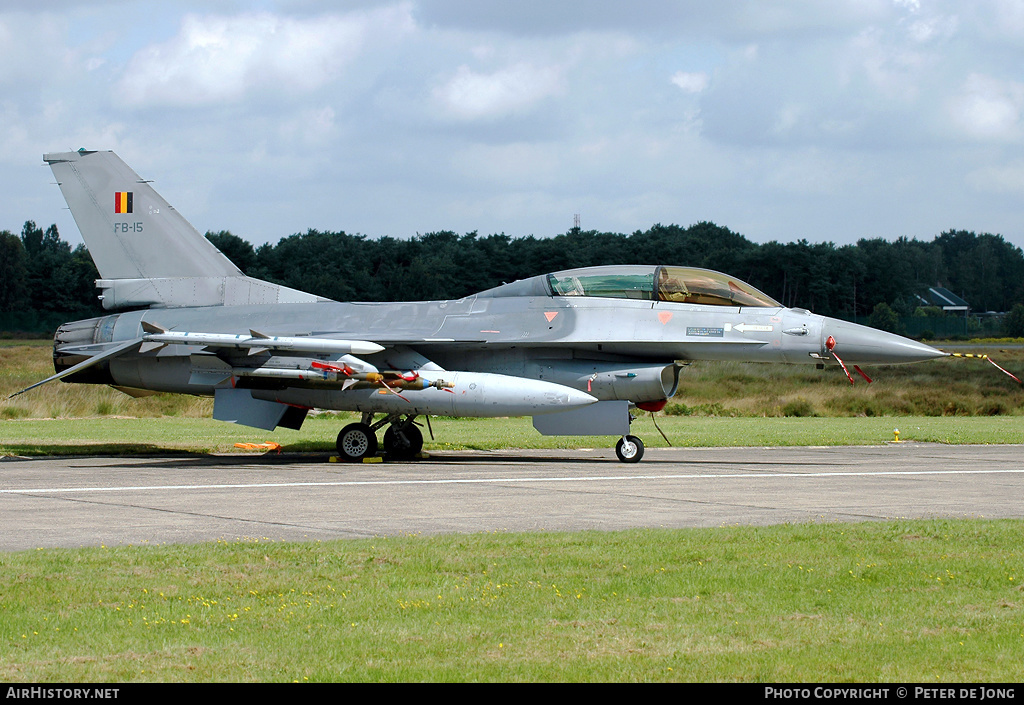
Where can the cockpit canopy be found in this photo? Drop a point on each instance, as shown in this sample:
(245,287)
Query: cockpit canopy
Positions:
(647,283)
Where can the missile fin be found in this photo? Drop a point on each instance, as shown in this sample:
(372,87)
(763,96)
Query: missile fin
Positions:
(152,327)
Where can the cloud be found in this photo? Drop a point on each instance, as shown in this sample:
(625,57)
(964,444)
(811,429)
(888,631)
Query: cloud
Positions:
(21,60)
(310,127)
(739,19)
(829,120)
(690,82)
(470,95)
(1000,179)
(222,59)
(989,109)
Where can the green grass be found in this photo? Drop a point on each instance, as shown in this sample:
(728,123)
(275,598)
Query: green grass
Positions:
(724,403)
(103,436)
(915,601)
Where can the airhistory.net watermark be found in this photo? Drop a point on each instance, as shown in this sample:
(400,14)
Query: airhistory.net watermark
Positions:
(50,693)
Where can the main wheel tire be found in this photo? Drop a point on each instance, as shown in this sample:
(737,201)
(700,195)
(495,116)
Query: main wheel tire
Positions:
(357,441)
(629,449)
(403,442)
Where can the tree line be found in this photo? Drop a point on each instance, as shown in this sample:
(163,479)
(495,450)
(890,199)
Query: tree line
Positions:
(40,272)
(841,281)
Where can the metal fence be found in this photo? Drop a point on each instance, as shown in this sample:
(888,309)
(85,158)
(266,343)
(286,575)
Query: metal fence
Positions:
(946,326)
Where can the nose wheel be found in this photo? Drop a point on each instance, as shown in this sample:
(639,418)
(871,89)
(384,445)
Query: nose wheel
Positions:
(629,449)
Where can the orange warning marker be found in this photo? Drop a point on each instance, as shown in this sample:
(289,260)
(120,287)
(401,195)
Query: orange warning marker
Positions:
(259,446)
(550,315)
(664,317)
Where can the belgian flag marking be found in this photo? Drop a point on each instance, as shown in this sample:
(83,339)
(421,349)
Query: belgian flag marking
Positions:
(123,202)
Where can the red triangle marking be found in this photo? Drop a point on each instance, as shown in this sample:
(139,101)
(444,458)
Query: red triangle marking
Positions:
(664,317)
(550,315)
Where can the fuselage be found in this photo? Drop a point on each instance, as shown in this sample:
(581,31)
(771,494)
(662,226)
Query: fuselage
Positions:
(574,348)
(612,348)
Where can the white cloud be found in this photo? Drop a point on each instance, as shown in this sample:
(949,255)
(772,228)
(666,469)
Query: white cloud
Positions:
(1003,179)
(310,128)
(221,59)
(470,95)
(1011,13)
(690,82)
(30,47)
(989,109)
(520,165)
(788,117)
(891,67)
(830,120)
(939,27)
(811,172)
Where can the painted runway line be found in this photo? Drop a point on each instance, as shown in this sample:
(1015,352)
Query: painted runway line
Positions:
(520,480)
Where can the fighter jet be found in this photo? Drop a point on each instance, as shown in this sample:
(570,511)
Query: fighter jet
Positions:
(579,350)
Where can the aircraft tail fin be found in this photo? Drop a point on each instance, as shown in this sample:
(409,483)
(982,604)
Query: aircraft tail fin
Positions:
(146,252)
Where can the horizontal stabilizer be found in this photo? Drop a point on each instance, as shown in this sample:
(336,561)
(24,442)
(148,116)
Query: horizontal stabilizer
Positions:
(85,364)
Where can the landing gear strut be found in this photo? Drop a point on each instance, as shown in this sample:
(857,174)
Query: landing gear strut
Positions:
(402,439)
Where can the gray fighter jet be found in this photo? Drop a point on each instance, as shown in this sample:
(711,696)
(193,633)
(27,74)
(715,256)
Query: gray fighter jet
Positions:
(577,350)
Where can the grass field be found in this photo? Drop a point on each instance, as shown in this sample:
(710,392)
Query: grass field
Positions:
(917,601)
(944,387)
(906,601)
(109,435)
(948,400)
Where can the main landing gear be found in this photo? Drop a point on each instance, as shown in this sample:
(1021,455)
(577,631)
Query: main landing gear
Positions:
(402,440)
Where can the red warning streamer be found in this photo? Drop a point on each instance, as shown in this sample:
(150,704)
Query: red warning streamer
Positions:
(986,357)
(830,345)
(1002,370)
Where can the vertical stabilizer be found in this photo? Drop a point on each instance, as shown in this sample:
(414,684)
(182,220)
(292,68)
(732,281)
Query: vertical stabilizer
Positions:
(146,252)
(130,230)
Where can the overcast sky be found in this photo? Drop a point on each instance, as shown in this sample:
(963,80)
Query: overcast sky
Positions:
(832,121)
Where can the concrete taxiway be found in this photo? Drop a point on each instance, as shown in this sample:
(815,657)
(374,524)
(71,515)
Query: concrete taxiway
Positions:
(91,501)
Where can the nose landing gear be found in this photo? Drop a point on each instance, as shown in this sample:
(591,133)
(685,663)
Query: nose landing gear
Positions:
(629,449)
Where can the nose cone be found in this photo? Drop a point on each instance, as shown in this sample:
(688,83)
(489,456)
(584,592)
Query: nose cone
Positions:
(857,344)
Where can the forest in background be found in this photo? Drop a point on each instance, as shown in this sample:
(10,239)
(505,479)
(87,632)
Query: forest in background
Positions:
(40,272)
